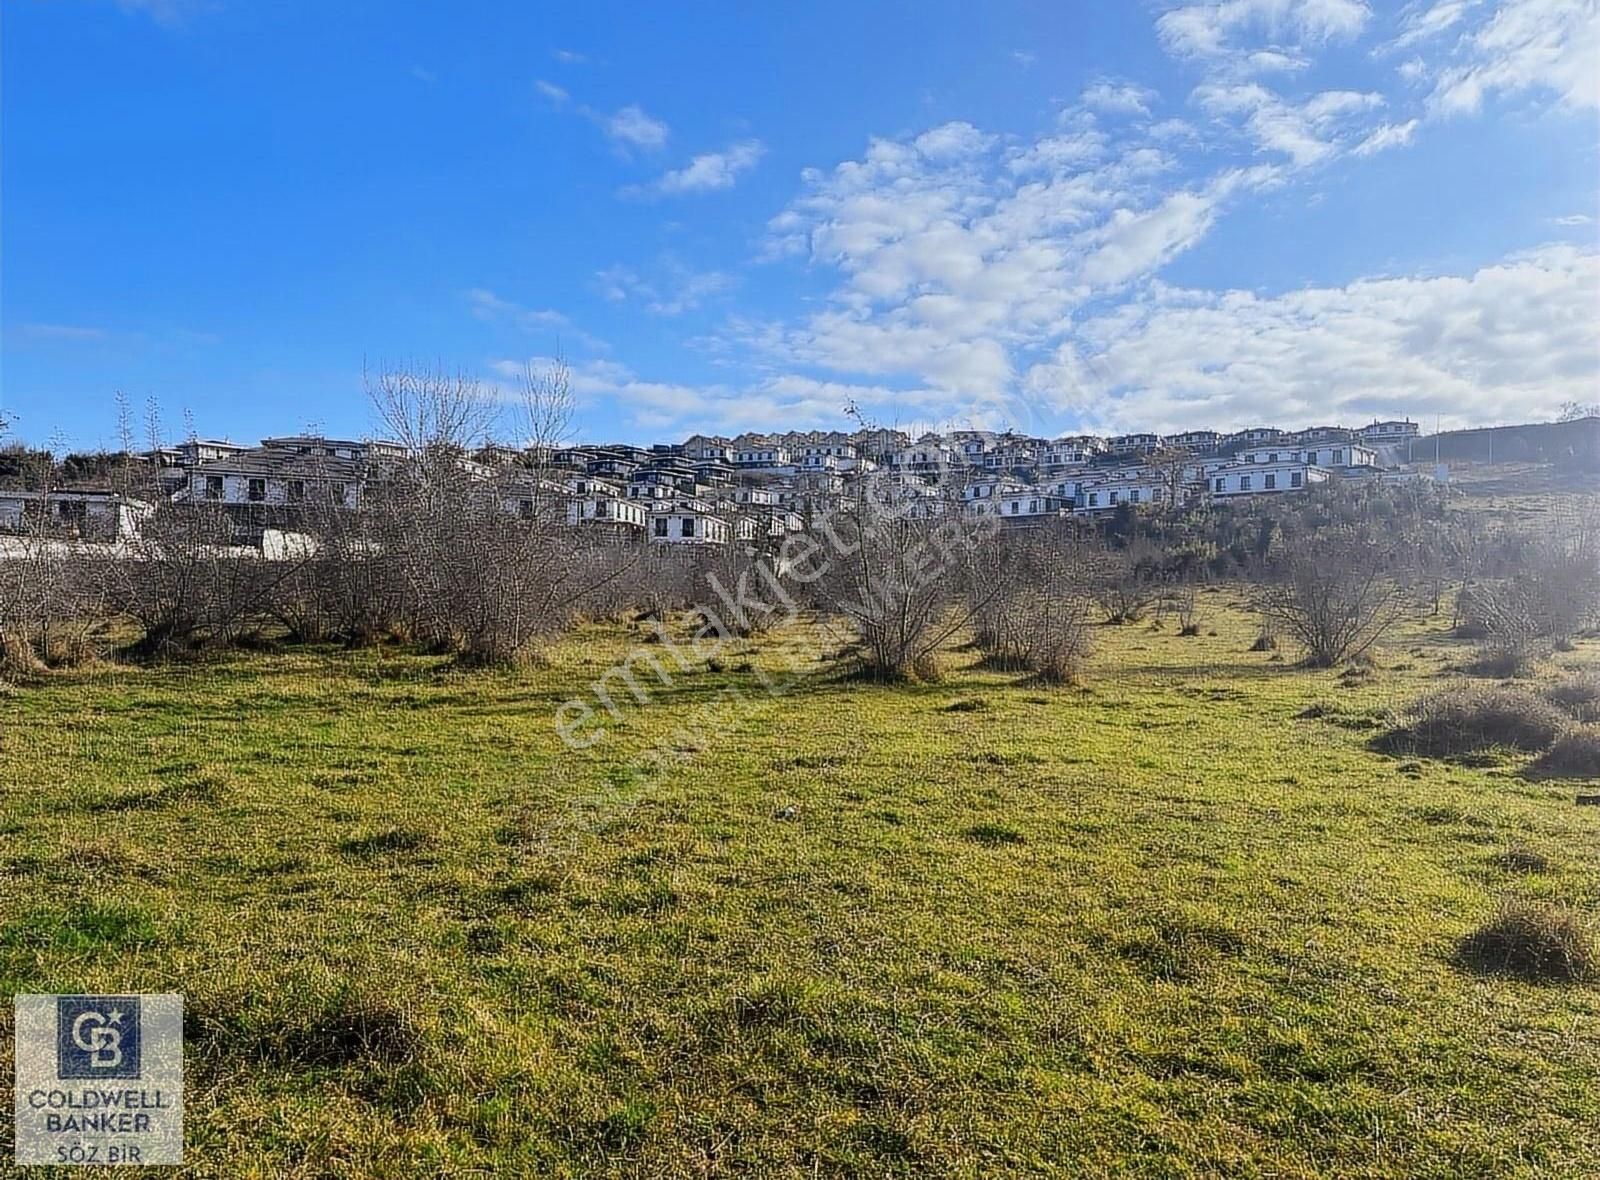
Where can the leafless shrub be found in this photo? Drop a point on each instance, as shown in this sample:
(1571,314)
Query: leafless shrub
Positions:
(1033,603)
(897,574)
(483,556)
(1185,605)
(1552,597)
(1124,591)
(1336,598)
(1578,696)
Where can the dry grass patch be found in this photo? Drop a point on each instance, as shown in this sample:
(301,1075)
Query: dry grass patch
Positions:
(1469,720)
(1538,942)
(1576,754)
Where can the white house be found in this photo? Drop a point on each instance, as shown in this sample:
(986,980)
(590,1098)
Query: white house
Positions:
(1196,442)
(625,516)
(1384,434)
(760,455)
(1112,492)
(688,522)
(1254,479)
(1333,455)
(1337,455)
(88,514)
(929,456)
(1060,456)
(1030,505)
(1134,444)
(279,477)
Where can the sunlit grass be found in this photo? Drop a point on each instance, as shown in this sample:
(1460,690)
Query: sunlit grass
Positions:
(1180,920)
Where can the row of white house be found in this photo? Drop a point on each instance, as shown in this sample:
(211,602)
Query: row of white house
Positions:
(711,491)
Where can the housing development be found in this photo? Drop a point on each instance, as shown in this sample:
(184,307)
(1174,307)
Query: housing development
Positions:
(713,490)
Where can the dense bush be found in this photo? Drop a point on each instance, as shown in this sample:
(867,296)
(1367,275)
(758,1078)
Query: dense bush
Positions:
(1469,719)
(1576,754)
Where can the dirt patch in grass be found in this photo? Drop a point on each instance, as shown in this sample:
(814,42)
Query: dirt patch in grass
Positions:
(347,1025)
(1180,949)
(1522,860)
(389,842)
(994,835)
(969,705)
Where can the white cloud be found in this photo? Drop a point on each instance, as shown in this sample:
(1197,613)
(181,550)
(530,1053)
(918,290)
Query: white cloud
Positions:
(632,128)
(1308,133)
(782,402)
(491,308)
(1387,136)
(1119,98)
(1420,24)
(957,252)
(1134,244)
(952,141)
(170,13)
(1573,219)
(568,57)
(1510,342)
(1549,45)
(677,291)
(551,91)
(706,173)
(1213,30)
(77,333)
(1023,58)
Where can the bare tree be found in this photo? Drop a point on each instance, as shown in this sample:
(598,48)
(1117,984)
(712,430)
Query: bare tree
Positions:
(483,553)
(1032,603)
(897,552)
(1337,597)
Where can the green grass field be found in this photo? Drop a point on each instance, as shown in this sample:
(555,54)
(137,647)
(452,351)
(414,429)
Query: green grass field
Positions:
(1156,925)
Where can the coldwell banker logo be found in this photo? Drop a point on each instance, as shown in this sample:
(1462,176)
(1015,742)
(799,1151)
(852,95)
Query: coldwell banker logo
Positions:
(97,1037)
(99,1079)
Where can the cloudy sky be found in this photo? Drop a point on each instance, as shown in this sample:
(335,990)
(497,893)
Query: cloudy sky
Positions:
(1157,215)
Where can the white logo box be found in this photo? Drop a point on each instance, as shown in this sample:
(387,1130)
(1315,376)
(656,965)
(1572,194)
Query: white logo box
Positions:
(99,1079)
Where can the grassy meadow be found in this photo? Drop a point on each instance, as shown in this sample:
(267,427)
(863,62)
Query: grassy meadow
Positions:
(1177,921)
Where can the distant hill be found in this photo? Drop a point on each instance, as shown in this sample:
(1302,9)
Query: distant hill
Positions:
(1576,443)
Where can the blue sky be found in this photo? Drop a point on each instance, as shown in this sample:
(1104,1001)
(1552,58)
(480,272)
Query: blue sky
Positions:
(726,217)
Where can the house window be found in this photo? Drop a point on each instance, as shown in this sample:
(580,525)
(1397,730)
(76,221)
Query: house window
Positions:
(661,526)
(1115,497)
(1244,483)
(1272,482)
(688,526)
(1094,499)
(1338,458)
(256,491)
(296,490)
(1222,484)
(213,487)
(1133,496)
(1296,479)
(525,509)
